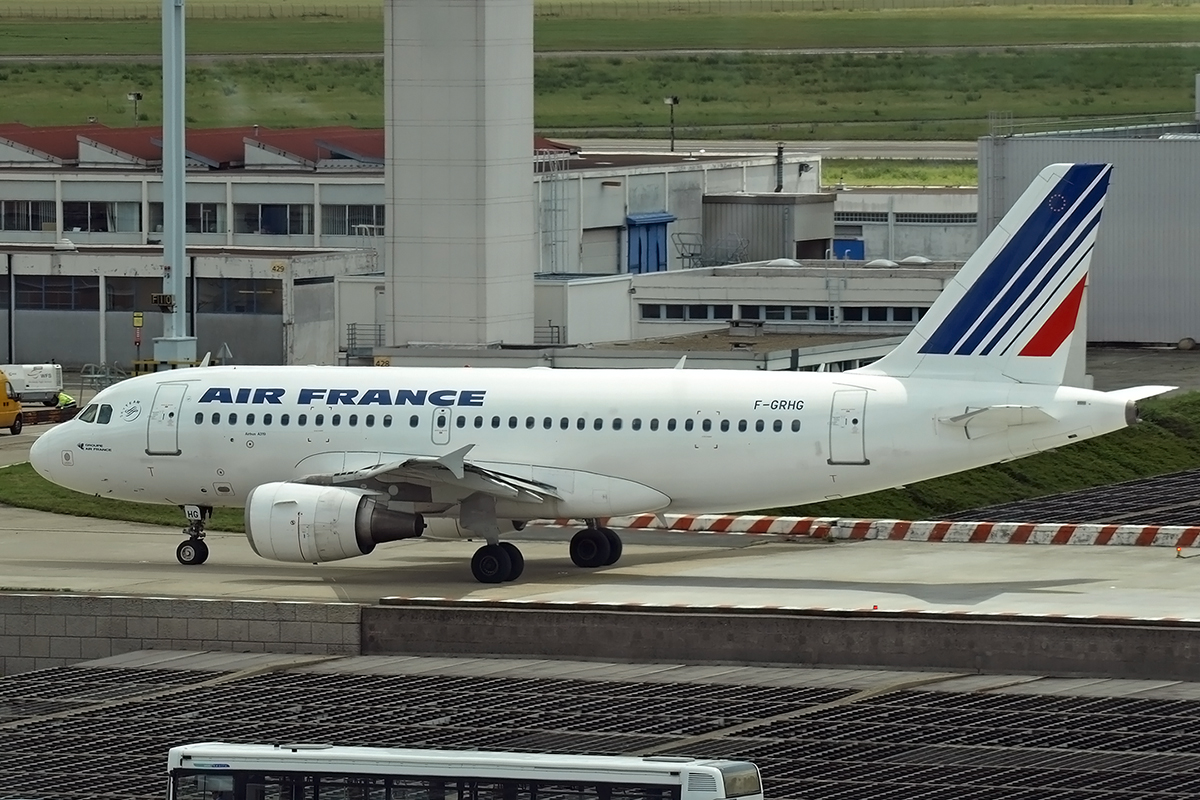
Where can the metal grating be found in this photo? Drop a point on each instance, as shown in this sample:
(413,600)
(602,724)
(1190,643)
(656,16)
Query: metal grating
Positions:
(104,736)
(1165,500)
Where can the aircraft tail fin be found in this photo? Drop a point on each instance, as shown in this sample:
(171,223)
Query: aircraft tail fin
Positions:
(1011,311)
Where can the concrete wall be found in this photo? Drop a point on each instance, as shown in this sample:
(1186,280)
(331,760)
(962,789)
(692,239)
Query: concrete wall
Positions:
(946,642)
(46,630)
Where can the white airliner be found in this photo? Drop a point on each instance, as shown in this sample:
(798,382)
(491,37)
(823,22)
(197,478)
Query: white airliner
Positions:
(331,461)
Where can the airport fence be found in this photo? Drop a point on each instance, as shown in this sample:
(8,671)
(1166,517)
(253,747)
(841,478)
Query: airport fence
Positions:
(599,9)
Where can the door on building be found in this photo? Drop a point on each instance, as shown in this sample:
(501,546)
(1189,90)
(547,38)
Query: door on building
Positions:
(648,241)
(847,422)
(600,251)
(849,249)
(162,427)
(442,419)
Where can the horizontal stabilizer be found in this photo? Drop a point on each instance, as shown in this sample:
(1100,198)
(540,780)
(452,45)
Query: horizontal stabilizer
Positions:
(1140,392)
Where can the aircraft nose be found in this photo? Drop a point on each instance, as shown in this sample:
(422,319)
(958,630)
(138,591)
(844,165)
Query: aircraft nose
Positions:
(41,454)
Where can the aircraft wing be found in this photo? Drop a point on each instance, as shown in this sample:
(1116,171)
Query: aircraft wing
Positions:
(452,470)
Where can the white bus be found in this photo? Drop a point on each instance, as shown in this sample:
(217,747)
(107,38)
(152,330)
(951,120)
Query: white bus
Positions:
(215,771)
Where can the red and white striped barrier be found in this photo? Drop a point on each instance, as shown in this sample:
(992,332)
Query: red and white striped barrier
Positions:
(906,531)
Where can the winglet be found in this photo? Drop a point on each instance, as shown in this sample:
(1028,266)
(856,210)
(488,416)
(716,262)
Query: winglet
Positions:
(682,361)
(455,461)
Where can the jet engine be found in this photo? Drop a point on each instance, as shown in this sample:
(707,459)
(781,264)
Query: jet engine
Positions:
(302,522)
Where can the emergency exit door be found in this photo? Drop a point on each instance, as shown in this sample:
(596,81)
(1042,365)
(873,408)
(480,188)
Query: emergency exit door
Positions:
(162,428)
(847,422)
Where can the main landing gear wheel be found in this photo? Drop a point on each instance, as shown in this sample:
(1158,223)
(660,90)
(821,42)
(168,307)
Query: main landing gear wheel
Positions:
(193,552)
(614,545)
(591,548)
(491,564)
(517,560)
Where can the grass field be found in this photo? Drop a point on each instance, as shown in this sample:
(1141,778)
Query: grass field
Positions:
(725,96)
(1167,440)
(992,26)
(886,172)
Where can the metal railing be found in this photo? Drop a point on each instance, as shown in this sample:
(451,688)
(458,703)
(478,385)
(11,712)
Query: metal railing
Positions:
(363,337)
(549,334)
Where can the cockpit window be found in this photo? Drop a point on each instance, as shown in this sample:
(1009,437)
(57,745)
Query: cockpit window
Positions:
(105,414)
(89,413)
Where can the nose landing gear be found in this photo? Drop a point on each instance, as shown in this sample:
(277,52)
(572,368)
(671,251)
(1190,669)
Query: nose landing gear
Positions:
(194,551)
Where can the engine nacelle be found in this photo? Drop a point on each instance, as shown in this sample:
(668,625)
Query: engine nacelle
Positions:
(302,522)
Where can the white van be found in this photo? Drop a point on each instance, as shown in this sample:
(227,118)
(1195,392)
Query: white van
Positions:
(35,382)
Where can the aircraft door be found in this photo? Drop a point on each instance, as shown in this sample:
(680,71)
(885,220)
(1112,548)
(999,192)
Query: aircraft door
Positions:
(847,421)
(162,427)
(442,419)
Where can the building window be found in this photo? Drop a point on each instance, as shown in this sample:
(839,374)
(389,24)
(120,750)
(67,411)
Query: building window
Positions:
(935,219)
(58,292)
(649,311)
(101,217)
(877,314)
(722,312)
(850,314)
(197,218)
(339,220)
(674,312)
(238,296)
(27,215)
(131,294)
(751,312)
(273,219)
(860,216)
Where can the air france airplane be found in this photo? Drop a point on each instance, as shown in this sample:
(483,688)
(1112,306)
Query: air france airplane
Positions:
(329,462)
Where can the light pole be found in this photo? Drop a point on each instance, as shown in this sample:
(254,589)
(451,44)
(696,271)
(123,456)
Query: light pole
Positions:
(672,101)
(134,97)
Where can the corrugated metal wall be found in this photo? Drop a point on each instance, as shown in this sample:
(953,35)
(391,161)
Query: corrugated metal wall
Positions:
(1145,277)
(762,226)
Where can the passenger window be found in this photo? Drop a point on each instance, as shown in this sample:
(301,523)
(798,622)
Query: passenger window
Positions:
(777,425)
(495,422)
(414,421)
(512,422)
(216,418)
(759,426)
(233,419)
(724,426)
(249,419)
(741,426)
(284,419)
(581,423)
(319,420)
(564,423)
(671,424)
(654,424)
(547,423)
(688,424)
(387,420)
(636,423)
(302,420)
(266,419)
(598,423)
(199,417)
(106,414)
(706,425)
(795,425)
(89,414)
(529,423)
(461,422)
(354,419)
(370,420)
(617,424)
(478,421)
(441,422)
(337,419)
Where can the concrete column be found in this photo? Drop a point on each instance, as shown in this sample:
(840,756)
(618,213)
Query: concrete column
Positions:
(461,247)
